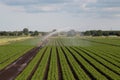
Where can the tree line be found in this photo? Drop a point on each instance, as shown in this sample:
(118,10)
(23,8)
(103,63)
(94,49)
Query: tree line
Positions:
(101,33)
(24,32)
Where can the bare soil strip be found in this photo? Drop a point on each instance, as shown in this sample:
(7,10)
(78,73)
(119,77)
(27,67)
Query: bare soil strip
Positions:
(16,67)
(36,66)
(59,66)
(47,67)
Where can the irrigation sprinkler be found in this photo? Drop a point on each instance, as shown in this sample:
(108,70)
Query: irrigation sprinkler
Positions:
(45,39)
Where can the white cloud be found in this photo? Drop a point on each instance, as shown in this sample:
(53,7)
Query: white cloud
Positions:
(112,9)
(59,12)
(48,8)
(83,3)
(8,8)
(117,15)
(74,7)
(44,8)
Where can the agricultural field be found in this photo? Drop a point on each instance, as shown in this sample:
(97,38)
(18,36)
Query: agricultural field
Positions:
(64,58)
(15,48)
(6,40)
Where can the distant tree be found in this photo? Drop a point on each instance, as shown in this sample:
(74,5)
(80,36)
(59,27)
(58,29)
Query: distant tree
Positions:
(20,33)
(106,33)
(4,33)
(30,32)
(15,33)
(118,33)
(25,31)
(36,33)
(93,32)
(99,33)
(111,33)
(87,33)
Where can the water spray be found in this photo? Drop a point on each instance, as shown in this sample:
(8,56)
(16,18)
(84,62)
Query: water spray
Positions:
(44,40)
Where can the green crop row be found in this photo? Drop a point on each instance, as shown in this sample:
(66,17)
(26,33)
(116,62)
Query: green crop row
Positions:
(114,40)
(12,51)
(67,74)
(79,60)
(94,72)
(106,56)
(24,75)
(105,70)
(88,67)
(53,71)
(79,71)
(39,74)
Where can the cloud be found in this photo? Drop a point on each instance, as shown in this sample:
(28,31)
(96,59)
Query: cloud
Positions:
(43,8)
(91,8)
(31,2)
(105,8)
(54,5)
(7,8)
(33,6)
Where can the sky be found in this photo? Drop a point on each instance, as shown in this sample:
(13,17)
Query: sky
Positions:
(45,15)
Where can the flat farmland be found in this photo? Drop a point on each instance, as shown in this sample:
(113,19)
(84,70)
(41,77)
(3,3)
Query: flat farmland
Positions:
(63,58)
(14,48)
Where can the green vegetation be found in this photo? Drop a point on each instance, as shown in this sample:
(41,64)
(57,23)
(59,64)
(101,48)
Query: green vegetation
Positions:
(30,67)
(101,33)
(13,50)
(69,59)
(24,32)
(41,70)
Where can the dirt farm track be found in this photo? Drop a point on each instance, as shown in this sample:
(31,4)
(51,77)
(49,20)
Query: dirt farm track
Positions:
(15,68)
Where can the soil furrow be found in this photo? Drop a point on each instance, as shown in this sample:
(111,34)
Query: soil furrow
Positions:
(82,66)
(71,68)
(101,62)
(16,67)
(47,67)
(107,76)
(36,66)
(60,75)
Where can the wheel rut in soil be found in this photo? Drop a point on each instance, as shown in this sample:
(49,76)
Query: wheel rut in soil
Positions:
(15,68)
